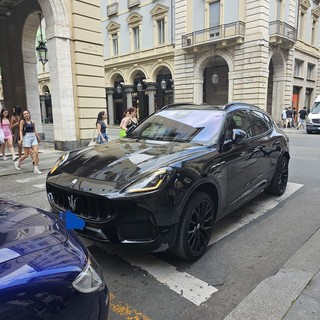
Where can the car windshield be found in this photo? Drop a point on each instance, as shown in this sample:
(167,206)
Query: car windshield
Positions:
(181,125)
(316,108)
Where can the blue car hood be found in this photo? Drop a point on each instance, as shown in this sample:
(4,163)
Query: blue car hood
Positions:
(25,231)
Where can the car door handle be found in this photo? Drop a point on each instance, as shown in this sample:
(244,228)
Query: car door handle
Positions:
(276,143)
(218,165)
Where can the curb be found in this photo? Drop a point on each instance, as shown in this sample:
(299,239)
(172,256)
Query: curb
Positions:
(274,296)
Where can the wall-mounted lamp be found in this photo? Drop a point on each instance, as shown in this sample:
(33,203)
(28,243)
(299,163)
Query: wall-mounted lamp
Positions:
(163,84)
(215,76)
(139,86)
(119,87)
(42,47)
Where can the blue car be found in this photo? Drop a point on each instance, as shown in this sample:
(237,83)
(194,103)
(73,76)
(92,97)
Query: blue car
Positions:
(45,271)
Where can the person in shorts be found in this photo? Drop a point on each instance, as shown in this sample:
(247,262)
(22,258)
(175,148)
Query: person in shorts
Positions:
(302,118)
(29,140)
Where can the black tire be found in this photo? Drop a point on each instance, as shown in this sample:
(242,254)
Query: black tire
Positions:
(280,178)
(195,227)
(309,131)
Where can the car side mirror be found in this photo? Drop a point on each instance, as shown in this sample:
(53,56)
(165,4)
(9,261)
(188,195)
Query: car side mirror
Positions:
(238,134)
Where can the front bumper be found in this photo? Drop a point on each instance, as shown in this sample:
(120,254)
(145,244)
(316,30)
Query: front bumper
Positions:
(146,222)
(313,127)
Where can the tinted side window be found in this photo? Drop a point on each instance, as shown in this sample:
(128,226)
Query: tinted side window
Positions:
(239,120)
(261,123)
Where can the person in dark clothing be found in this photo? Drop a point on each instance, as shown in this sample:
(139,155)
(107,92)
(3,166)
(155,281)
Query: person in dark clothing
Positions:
(302,118)
(289,115)
(294,117)
(102,127)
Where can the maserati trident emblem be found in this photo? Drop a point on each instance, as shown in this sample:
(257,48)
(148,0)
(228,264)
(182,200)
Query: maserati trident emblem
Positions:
(72,202)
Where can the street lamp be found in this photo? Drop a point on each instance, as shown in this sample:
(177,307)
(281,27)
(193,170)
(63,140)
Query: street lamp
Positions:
(118,88)
(42,47)
(215,76)
(163,84)
(139,86)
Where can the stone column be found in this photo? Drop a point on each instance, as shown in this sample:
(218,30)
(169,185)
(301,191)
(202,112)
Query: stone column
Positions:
(198,90)
(128,90)
(110,92)
(151,91)
(43,110)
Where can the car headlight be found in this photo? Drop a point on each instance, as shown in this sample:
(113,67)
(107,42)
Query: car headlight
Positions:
(150,183)
(90,279)
(309,120)
(59,162)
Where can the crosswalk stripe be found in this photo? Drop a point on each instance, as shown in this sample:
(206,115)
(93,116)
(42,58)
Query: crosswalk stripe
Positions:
(40,186)
(258,207)
(191,288)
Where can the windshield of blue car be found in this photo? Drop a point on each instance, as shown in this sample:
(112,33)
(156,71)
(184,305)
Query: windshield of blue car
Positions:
(196,126)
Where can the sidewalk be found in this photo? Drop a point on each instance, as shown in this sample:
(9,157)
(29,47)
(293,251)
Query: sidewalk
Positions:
(293,293)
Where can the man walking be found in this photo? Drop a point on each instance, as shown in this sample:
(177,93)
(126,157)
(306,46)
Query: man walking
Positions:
(289,115)
(302,118)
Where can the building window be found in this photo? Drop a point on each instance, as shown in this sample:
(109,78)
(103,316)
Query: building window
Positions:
(161,33)
(214,14)
(136,38)
(298,68)
(160,17)
(115,44)
(113,34)
(134,21)
(310,71)
(279,13)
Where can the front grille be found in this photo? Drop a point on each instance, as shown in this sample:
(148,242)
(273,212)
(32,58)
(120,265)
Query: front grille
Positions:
(136,231)
(315,120)
(88,206)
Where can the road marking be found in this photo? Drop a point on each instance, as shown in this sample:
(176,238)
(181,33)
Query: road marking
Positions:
(124,310)
(191,288)
(257,206)
(40,186)
(186,285)
(30,179)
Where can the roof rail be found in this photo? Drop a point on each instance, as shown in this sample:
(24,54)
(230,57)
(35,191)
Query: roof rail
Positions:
(176,105)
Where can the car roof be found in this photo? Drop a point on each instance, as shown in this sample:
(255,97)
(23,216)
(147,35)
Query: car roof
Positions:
(225,107)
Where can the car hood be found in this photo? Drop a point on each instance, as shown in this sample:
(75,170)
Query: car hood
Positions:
(122,161)
(25,230)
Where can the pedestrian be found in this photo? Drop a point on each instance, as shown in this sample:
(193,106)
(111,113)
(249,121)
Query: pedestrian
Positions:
(133,117)
(284,116)
(14,122)
(294,117)
(102,127)
(29,139)
(123,124)
(302,118)
(6,128)
(289,115)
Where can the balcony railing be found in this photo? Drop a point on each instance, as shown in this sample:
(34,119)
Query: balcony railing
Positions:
(112,9)
(224,33)
(132,3)
(282,33)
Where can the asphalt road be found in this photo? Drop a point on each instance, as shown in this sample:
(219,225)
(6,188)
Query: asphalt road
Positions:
(246,247)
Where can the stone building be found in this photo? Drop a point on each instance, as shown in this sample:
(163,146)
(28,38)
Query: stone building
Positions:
(148,53)
(214,51)
(75,54)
